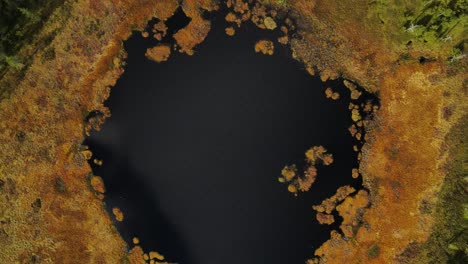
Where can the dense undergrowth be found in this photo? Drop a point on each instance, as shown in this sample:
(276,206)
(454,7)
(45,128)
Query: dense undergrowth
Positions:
(449,241)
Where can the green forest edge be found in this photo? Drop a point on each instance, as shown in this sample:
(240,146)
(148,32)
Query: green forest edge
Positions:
(429,25)
(20,21)
(449,241)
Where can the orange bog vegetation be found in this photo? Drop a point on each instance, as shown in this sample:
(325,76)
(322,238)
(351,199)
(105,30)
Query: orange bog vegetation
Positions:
(411,160)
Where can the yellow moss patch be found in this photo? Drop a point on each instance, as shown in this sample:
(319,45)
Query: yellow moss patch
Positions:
(329,93)
(355,115)
(269,23)
(289,172)
(118,214)
(98,184)
(292,188)
(156,255)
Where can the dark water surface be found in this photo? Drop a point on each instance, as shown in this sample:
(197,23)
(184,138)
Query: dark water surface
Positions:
(194,147)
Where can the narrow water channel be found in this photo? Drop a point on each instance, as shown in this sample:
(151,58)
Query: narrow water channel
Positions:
(195,145)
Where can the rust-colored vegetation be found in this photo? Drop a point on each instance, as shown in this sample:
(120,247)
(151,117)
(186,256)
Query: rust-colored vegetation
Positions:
(302,182)
(417,66)
(329,204)
(50,212)
(265,47)
(159,53)
(197,30)
(325,219)
(230,31)
(265,18)
(402,161)
(159,30)
(98,184)
(329,93)
(119,216)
